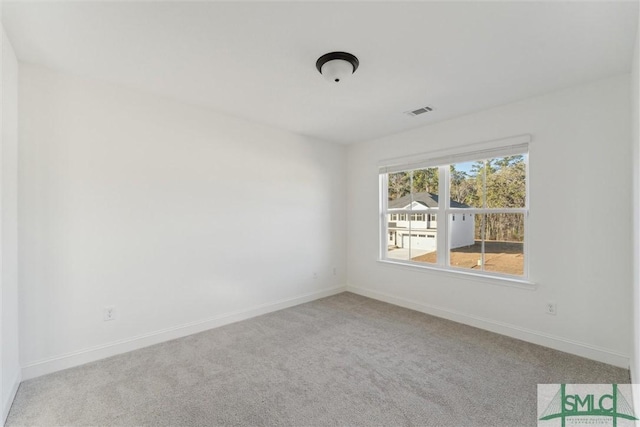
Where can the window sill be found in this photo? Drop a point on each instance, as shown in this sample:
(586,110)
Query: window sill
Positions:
(466,275)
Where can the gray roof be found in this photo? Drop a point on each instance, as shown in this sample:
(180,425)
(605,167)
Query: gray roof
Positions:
(428,200)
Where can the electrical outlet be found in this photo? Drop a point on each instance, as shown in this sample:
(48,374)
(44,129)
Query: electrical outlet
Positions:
(552,308)
(334,271)
(315,275)
(109,313)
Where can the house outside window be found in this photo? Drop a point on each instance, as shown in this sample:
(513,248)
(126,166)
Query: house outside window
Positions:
(486,189)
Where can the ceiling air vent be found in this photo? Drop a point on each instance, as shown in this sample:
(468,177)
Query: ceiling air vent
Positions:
(419,111)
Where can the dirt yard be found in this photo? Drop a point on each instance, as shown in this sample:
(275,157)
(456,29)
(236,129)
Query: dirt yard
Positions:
(500,257)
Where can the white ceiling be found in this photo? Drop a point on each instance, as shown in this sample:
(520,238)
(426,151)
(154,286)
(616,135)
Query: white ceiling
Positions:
(257,60)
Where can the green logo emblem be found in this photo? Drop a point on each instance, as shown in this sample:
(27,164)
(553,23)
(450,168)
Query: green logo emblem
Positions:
(573,405)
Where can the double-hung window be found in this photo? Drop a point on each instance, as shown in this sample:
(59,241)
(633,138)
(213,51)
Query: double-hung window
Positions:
(463,211)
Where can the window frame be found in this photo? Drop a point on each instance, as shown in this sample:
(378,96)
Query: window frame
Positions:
(518,145)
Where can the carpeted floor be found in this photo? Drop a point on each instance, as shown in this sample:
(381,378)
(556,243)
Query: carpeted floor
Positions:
(342,360)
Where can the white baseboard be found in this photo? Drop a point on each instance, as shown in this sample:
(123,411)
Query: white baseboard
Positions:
(69,360)
(558,343)
(6,405)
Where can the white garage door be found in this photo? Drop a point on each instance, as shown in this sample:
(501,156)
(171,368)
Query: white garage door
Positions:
(419,241)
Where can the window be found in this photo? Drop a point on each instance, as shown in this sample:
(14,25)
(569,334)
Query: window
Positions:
(486,189)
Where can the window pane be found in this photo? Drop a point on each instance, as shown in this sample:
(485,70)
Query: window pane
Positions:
(466,241)
(399,185)
(413,242)
(504,243)
(498,243)
(426,181)
(466,184)
(505,182)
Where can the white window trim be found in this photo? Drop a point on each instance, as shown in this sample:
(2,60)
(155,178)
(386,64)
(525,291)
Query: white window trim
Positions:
(465,274)
(442,159)
(469,152)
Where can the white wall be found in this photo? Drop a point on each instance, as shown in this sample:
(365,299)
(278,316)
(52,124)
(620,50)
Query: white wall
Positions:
(462,230)
(579,238)
(635,138)
(140,202)
(10,376)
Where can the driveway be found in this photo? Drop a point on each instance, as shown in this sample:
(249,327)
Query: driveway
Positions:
(403,253)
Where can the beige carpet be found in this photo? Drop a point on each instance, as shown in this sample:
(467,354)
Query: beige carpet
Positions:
(342,360)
